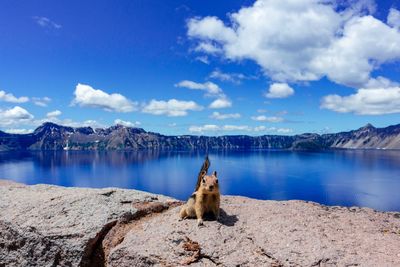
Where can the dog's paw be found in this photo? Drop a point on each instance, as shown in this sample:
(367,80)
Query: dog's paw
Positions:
(200,222)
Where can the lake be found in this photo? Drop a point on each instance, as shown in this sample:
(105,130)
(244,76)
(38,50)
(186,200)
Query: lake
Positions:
(367,178)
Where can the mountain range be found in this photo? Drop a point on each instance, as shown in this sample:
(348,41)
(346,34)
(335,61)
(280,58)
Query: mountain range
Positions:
(50,136)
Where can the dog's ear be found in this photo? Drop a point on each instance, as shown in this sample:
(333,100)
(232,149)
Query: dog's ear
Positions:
(215,173)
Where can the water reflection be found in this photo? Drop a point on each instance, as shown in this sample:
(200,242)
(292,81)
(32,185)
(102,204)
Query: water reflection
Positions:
(363,178)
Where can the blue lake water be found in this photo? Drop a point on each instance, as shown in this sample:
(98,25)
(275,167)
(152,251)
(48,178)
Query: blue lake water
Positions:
(350,178)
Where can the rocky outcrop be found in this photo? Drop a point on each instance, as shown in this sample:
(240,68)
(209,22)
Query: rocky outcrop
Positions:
(51,136)
(46,225)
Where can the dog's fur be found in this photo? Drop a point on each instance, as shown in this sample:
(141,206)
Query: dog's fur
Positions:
(205,199)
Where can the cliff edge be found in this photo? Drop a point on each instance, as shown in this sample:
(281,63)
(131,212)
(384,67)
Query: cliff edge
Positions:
(45,225)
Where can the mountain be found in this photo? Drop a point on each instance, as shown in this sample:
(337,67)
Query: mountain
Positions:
(50,136)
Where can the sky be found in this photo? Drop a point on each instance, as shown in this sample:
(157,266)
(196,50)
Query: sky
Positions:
(200,67)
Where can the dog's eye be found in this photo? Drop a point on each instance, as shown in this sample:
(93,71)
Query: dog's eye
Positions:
(216,181)
(204,180)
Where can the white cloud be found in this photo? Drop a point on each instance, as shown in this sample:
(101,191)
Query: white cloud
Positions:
(15,116)
(53,114)
(87,96)
(46,22)
(229,77)
(366,101)
(172,107)
(87,123)
(350,59)
(267,119)
(69,122)
(236,128)
(219,116)
(207,48)
(127,123)
(393,18)
(41,101)
(380,82)
(210,28)
(262,128)
(8,97)
(204,128)
(279,90)
(203,59)
(209,87)
(304,40)
(216,129)
(18,131)
(221,102)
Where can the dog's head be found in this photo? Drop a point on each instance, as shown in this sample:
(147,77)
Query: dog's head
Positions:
(209,183)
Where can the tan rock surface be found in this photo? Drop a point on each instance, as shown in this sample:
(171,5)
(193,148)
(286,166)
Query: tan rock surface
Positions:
(45,225)
(266,233)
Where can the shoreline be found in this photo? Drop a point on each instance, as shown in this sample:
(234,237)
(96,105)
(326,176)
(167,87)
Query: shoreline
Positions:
(10,182)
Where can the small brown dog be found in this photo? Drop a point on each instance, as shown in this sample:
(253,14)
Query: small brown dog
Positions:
(205,199)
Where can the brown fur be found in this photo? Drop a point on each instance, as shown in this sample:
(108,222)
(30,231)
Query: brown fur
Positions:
(206,198)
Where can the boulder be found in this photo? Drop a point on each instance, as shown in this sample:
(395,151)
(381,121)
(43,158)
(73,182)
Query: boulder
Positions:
(44,225)
(265,233)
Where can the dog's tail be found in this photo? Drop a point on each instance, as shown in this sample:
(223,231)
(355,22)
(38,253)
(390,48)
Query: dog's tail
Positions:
(203,171)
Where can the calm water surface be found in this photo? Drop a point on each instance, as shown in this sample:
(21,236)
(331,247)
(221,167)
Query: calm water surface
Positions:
(361,178)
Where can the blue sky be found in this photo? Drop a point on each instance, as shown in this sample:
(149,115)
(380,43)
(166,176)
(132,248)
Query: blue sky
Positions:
(200,67)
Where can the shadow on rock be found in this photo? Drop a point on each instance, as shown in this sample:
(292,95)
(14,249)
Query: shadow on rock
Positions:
(226,219)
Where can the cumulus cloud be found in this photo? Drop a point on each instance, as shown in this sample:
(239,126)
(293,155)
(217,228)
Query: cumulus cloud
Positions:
(304,40)
(203,59)
(219,116)
(46,22)
(208,48)
(204,128)
(8,97)
(87,123)
(171,108)
(209,87)
(15,116)
(267,119)
(41,101)
(127,123)
(366,101)
(262,128)
(279,90)
(393,18)
(18,131)
(87,96)
(216,129)
(235,78)
(53,114)
(221,102)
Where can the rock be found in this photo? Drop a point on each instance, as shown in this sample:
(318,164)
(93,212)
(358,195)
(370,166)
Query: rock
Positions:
(265,233)
(45,225)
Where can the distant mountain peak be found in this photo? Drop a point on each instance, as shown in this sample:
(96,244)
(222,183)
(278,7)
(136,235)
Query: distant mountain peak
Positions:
(368,126)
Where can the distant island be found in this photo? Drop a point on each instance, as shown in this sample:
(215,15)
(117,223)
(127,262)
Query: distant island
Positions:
(50,136)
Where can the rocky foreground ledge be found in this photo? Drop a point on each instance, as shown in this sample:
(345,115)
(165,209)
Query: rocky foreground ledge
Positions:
(45,225)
